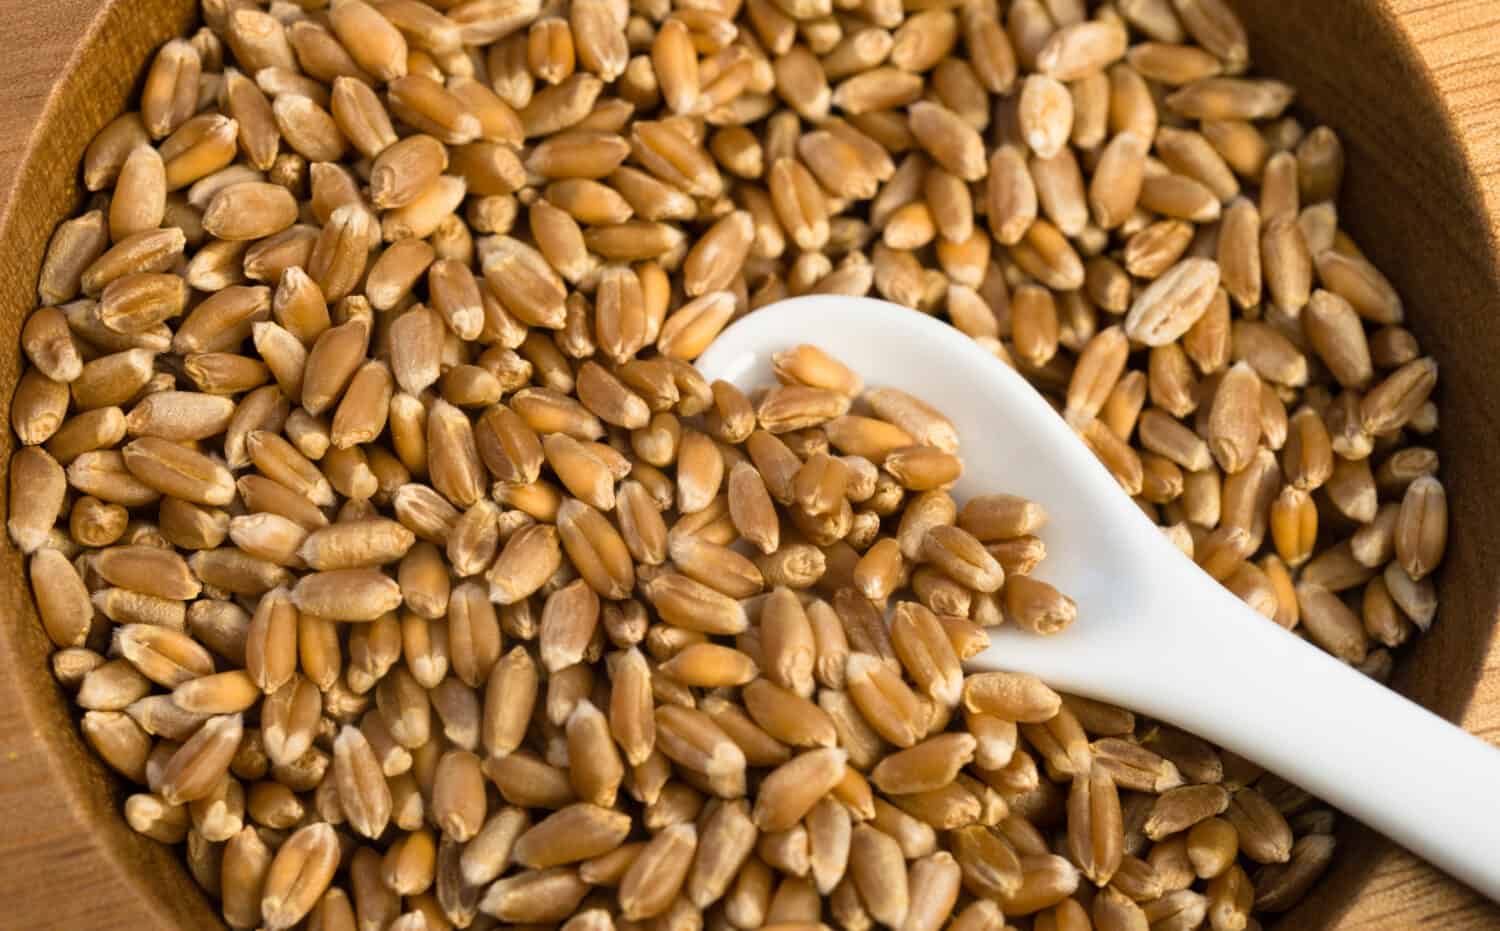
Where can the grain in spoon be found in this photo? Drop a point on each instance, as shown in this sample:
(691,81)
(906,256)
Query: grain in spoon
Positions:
(1155,633)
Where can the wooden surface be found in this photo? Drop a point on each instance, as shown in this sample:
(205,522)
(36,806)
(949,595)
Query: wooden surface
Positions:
(1410,84)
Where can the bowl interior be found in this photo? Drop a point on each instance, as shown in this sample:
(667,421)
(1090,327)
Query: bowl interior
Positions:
(1409,196)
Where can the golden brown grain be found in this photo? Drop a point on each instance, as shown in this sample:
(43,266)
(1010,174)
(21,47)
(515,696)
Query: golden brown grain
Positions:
(530,443)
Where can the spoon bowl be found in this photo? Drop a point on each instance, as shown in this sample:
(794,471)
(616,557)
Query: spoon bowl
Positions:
(1154,633)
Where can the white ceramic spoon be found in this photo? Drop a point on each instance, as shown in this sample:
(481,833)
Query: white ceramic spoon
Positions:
(1154,632)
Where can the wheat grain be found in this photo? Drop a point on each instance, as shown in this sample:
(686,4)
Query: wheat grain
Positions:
(457,395)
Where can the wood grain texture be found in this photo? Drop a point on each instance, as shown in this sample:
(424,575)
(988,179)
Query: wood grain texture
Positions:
(1411,85)
(50,31)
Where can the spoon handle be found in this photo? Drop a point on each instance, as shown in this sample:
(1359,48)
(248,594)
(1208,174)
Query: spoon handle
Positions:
(1369,751)
(1197,657)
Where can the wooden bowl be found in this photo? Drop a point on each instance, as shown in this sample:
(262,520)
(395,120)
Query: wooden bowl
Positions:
(1407,83)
